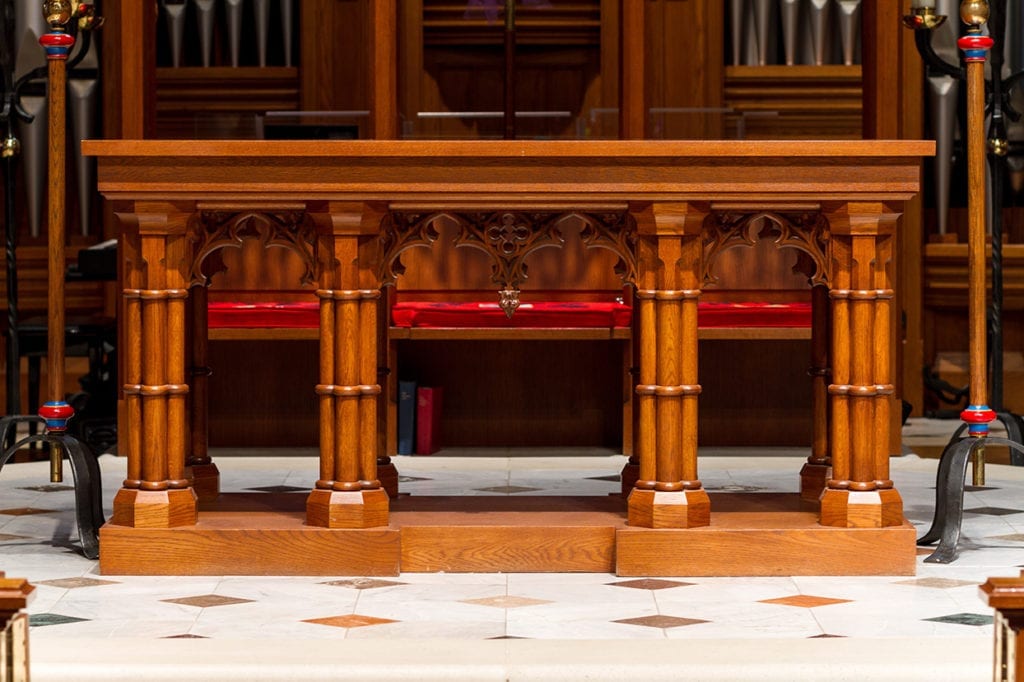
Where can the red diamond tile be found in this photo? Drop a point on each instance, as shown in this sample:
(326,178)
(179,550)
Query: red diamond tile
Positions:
(350,621)
(804,601)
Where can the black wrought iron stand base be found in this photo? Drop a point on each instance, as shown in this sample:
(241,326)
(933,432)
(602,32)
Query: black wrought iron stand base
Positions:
(949,492)
(85,470)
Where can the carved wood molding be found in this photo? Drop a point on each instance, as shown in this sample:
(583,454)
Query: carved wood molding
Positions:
(211,230)
(806,232)
(508,237)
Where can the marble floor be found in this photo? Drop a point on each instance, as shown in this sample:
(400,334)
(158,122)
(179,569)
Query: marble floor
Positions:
(482,627)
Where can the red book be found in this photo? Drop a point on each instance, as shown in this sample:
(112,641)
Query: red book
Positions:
(428,420)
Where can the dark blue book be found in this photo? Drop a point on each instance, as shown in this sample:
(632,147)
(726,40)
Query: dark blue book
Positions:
(406,417)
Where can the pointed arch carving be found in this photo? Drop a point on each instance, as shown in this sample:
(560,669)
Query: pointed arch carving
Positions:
(212,230)
(806,232)
(508,237)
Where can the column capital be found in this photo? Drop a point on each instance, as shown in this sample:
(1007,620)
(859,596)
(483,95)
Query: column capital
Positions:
(862,218)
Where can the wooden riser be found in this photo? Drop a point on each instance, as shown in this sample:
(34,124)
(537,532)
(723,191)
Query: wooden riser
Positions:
(750,535)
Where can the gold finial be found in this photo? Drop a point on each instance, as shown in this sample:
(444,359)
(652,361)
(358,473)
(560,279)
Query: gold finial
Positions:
(999,146)
(974,12)
(88,20)
(57,13)
(9,147)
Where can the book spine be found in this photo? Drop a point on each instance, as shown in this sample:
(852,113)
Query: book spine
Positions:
(428,420)
(406,417)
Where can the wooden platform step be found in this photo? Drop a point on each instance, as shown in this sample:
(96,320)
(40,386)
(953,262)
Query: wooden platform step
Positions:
(751,534)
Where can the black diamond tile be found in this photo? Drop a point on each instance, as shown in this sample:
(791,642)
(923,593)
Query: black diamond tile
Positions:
(993,511)
(509,637)
(963,619)
(186,636)
(50,488)
(651,584)
(508,489)
(363,583)
(614,477)
(411,479)
(41,619)
(278,489)
(826,636)
(661,621)
(736,488)
(978,488)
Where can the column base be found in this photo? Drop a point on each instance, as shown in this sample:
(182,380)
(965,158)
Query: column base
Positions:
(629,476)
(655,509)
(205,481)
(853,509)
(154,508)
(356,509)
(387,474)
(813,479)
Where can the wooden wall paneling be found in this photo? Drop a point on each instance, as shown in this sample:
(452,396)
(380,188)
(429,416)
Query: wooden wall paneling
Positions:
(129,62)
(334,55)
(685,69)
(632,70)
(410,60)
(605,123)
(383,69)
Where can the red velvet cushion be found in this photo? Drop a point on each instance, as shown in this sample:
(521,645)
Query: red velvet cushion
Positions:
(753,315)
(291,315)
(549,314)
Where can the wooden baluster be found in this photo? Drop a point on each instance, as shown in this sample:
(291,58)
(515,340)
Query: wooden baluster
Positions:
(818,468)
(859,493)
(671,261)
(200,467)
(348,377)
(346,390)
(325,387)
(369,389)
(156,493)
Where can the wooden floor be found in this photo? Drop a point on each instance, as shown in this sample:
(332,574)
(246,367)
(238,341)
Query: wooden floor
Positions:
(751,534)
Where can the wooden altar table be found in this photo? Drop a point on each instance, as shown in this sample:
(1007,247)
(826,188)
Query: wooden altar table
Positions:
(350,209)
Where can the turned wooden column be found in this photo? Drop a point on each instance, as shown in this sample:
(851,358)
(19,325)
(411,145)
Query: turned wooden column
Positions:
(818,468)
(15,594)
(667,493)
(348,492)
(860,493)
(200,467)
(154,251)
(1006,596)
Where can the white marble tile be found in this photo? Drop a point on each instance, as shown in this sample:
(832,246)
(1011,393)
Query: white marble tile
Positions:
(536,625)
(464,629)
(582,606)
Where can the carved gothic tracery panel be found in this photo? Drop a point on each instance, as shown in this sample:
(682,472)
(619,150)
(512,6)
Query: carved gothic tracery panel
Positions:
(508,237)
(213,230)
(806,232)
